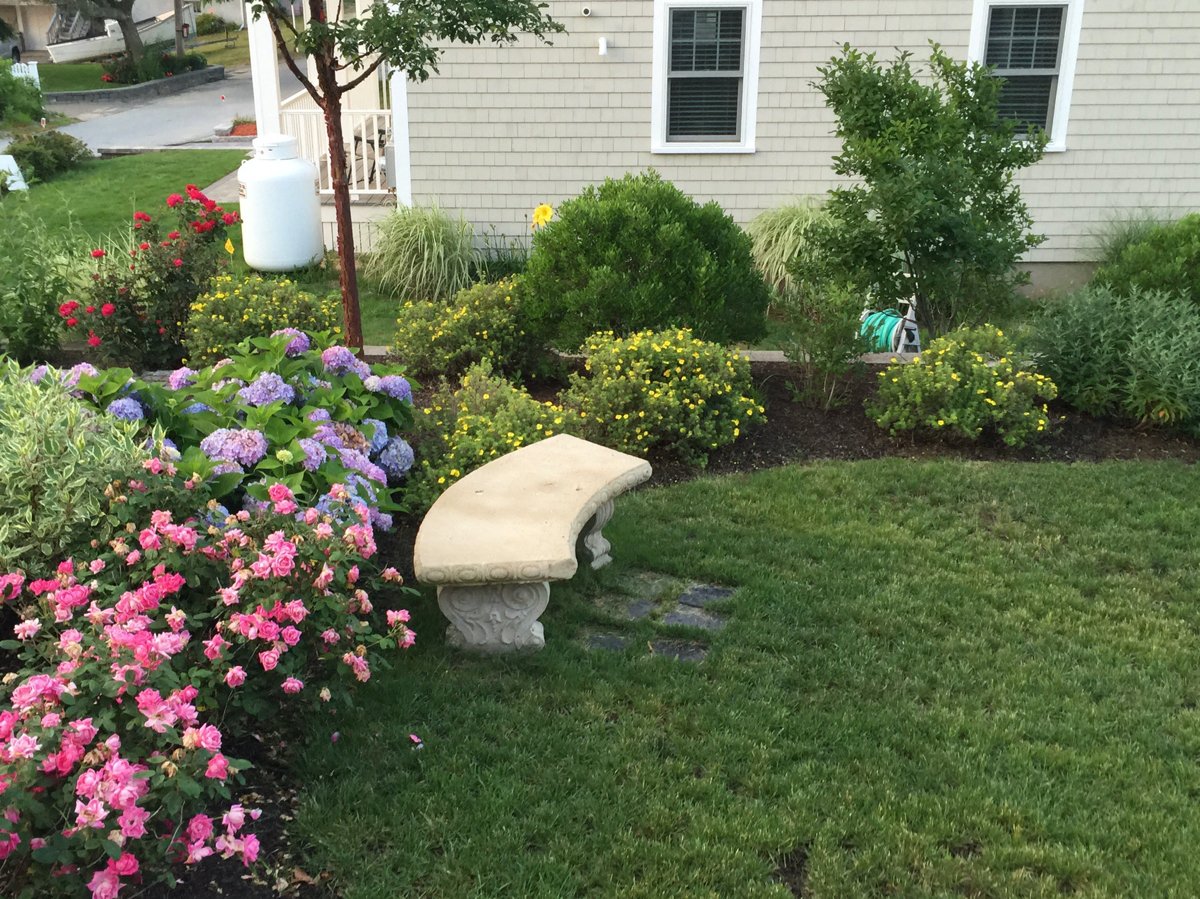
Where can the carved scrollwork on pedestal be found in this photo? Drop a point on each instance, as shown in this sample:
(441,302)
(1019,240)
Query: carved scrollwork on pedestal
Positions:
(495,618)
(593,540)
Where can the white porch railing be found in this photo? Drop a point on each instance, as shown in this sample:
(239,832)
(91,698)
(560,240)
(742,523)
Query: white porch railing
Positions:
(27,70)
(366,133)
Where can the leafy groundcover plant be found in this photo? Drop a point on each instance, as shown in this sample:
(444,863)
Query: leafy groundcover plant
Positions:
(139,659)
(966,383)
(278,409)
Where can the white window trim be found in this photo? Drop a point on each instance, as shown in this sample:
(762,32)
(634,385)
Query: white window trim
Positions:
(658,88)
(1066,66)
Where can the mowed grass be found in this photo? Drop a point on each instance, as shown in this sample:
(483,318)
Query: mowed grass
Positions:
(100,197)
(71,76)
(938,679)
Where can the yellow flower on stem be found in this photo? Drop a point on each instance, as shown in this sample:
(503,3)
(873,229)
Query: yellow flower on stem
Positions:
(542,214)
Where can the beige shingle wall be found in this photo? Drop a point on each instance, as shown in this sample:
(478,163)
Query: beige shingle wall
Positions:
(502,129)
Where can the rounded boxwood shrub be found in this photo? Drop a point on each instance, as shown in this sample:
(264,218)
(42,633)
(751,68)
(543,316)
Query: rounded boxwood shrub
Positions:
(637,253)
(1166,258)
(44,154)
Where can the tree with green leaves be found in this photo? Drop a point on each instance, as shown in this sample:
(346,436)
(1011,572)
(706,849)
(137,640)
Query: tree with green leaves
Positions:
(120,11)
(408,35)
(931,211)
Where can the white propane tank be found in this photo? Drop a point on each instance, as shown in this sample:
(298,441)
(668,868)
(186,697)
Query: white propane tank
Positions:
(281,212)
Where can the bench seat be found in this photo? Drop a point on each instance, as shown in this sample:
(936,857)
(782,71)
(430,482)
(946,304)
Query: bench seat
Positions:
(496,538)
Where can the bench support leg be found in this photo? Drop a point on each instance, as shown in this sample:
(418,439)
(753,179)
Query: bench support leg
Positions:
(594,541)
(495,618)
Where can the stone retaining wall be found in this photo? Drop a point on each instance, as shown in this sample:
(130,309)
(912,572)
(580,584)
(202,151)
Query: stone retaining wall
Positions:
(134,92)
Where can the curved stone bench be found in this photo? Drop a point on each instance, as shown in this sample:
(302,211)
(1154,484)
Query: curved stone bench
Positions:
(495,539)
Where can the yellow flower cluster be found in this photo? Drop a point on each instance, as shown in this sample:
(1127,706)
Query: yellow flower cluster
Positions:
(234,309)
(967,382)
(664,389)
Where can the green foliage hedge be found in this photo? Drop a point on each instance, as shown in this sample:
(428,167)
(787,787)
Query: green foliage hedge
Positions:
(637,253)
(1166,258)
(44,154)
(20,99)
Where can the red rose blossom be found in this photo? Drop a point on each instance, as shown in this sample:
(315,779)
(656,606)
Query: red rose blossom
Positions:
(107,309)
(174,235)
(230,218)
(93,340)
(97,254)
(90,309)
(178,263)
(143,246)
(68,307)
(174,200)
(72,322)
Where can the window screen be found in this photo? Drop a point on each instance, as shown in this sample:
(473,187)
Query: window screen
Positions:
(1024,46)
(704,79)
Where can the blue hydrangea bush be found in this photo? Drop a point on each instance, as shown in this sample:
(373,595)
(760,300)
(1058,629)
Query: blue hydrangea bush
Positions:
(279,409)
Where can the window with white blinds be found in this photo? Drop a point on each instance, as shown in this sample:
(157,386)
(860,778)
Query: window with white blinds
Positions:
(1032,45)
(1024,47)
(704,93)
(704,80)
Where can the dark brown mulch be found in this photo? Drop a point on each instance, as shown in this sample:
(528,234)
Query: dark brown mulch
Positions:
(794,432)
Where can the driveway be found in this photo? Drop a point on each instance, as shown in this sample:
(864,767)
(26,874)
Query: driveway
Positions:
(185,119)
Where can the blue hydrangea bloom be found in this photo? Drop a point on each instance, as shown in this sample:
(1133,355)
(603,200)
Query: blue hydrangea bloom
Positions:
(299,342)
(196,407)
(244,446)
(394,386)
(377,432)
(341,360)
(396,458)
(267,388)
(126,408)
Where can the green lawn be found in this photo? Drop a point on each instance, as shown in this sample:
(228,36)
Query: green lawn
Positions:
(71,76)
(232,53)
(940,679)
(102,195)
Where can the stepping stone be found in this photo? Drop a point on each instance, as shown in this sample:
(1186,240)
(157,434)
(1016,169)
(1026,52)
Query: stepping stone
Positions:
(680,650)
(639,609)
(649,585)
(691,617)
(701,596)
(610,642)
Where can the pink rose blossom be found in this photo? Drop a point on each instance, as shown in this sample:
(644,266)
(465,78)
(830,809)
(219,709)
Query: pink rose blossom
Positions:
(235,676)
(292,685)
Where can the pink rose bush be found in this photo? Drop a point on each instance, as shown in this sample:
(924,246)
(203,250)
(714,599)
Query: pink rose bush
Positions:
(139,659)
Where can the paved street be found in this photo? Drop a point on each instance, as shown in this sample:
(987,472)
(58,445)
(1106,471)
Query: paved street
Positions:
(184,119)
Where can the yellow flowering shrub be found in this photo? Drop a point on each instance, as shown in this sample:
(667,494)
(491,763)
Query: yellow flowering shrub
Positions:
(662,389)
(966,383)
(234,309)
(480,323)
(465,426)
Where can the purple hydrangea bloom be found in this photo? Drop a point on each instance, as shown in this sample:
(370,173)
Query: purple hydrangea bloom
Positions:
(227,468)
(341,360)
(39,373)
(356,461)
(314,381)
(215,515)
(227,382)
(326,435)
(75,372)
(126,408)
(314,453)
(244,446)
(319,415)
(377,431)
(268,387)
(196,407)
(181,378)
(396,387)
(396,458)
(299,342)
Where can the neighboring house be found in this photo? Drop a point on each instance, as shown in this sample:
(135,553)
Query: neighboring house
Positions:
(42,24)
(717,95)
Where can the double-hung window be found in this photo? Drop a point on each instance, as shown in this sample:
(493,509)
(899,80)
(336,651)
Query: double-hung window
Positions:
(704,96)
(1031,45)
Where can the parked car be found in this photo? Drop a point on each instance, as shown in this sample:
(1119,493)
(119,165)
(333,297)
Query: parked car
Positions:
(10,42)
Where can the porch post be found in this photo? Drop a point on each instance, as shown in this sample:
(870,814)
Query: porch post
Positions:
(264,74)
(403,160)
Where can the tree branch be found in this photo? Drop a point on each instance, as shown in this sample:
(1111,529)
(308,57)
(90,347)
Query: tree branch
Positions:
(273,21)
(350,85)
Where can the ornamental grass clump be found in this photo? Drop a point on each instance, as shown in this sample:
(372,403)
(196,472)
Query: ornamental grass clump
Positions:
(481,418)
(663,390)
(137,301)
(966,384)
(198,627)
(57,457)
(279,408)
(234,309)
(479,324)
(421,253)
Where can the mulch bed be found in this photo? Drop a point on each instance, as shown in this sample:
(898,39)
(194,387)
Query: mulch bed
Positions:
(794,432)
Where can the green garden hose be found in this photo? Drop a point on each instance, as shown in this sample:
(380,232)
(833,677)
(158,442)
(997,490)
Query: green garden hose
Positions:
(883,330)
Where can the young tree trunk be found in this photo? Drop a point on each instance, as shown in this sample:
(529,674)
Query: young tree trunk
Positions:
(133,40)
(348,272)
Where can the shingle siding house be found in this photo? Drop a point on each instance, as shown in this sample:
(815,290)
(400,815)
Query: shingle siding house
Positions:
(717,95)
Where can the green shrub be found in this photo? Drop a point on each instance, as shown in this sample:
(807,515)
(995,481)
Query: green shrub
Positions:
(44,154)
(57,457)
(209,23)
(966,383)
(421,253)
(782,239)
(479,324)
(823,339)
(1133,356)
(662,390)
(637,253)
(1166,258)
(158,61)
(233,309)
(467,426)
(1122,230)
(930,208)
(39,271)
(20,99)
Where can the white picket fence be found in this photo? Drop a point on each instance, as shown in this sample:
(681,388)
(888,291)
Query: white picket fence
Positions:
(27,70)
